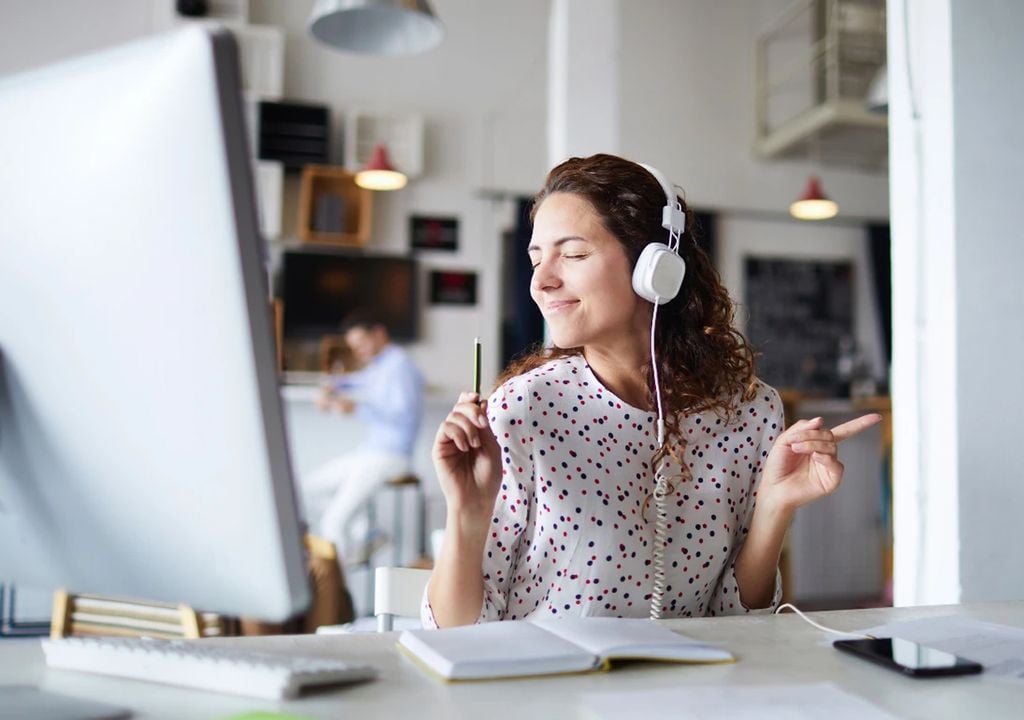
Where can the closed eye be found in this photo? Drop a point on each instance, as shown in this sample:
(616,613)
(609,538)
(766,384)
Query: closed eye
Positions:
(534,250)
(579,256)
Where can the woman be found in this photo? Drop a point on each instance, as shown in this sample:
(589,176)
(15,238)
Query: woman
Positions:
(550,483)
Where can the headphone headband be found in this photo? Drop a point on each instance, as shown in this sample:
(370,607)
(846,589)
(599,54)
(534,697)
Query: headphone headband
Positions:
(658,272)
(672,216)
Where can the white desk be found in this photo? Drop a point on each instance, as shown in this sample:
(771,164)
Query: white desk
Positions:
(772,650)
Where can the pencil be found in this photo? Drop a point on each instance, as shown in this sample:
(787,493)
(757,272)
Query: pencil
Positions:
(476,365)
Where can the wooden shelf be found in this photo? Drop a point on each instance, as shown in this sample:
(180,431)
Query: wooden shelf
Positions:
(353,215)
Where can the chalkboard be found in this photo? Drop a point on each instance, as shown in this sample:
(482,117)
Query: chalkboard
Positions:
(800,311)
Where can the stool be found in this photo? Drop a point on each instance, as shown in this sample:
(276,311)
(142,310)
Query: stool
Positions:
(398,487)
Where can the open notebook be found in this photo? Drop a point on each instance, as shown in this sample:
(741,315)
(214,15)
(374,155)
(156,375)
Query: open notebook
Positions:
(517,648)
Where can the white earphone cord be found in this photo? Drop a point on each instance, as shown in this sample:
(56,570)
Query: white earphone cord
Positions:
(673,245)
(660,486)
(795,609)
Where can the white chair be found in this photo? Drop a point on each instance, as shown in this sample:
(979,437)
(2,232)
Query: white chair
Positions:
(397,592)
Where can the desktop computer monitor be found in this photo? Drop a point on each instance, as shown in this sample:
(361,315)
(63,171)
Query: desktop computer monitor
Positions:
(142,441)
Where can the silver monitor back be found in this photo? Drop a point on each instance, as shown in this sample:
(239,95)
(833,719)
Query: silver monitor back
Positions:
(142,444)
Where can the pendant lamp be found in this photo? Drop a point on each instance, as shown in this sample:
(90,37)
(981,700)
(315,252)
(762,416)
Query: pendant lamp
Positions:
(813,204)
(376,27)
(379,173)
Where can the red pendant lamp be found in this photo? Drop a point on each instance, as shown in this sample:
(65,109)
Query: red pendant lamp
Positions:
(813,204)
(379,173)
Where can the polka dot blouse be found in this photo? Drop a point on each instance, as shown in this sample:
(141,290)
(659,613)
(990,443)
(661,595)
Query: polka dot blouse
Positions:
(573,526)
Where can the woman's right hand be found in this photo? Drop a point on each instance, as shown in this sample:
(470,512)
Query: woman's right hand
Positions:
(467,460)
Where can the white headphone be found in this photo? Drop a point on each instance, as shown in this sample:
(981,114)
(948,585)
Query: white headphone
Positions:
(657,277)
(659,270)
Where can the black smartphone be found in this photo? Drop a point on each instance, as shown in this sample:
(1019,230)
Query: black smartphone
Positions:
(909,657)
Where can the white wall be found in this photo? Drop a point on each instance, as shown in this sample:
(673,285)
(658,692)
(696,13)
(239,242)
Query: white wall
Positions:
(956,152)
(989,160)
(687,87)
(34,33)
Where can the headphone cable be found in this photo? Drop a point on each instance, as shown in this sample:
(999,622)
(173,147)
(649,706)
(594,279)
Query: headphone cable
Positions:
(803,617)
(660,483)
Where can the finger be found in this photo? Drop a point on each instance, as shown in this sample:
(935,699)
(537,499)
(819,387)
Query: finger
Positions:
(814,446)
(452,432)
(832,467)
(805,424)
(857,425)
(805,435)
(468,425)
(469,397)
(445,449)
(471,410)
(449,435)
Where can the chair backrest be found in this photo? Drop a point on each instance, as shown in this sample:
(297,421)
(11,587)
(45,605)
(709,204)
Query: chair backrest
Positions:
(397,592)
(331,603)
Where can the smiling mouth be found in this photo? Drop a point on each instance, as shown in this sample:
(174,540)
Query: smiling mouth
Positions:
(559,305)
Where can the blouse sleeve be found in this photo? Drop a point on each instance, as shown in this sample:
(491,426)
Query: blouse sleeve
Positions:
(513,513)
(725,600)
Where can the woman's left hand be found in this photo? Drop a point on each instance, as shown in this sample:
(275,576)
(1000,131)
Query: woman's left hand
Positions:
(802,465)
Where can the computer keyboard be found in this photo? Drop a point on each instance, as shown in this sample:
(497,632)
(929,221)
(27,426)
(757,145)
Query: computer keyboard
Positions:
(194,664)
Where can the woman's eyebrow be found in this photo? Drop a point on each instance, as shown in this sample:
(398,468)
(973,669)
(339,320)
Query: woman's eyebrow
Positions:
(557,243)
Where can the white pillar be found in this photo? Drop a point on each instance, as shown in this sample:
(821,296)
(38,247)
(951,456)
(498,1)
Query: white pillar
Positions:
(956,150)
(988,104)
(584,46)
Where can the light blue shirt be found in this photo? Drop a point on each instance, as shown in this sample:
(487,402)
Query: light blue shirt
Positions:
(389,397)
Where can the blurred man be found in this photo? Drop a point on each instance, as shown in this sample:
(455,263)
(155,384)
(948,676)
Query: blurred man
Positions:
(386,392)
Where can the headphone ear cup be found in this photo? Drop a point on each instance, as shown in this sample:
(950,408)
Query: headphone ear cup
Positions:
(658,274)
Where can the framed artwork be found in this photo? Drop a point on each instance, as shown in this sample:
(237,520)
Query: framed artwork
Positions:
(434,233)
(452,288)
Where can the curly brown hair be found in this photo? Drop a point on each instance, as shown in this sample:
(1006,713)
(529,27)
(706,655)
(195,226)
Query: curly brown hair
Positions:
(704,363)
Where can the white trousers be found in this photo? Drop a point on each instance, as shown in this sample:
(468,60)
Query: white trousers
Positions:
(335,493)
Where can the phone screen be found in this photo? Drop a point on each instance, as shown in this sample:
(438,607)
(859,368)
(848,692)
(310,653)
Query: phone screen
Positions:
(909,657)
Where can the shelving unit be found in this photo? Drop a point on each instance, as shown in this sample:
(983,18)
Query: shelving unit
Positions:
(353,216)
(815,67)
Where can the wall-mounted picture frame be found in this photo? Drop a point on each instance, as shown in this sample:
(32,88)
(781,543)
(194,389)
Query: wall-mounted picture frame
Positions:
(452,287)
(431,232)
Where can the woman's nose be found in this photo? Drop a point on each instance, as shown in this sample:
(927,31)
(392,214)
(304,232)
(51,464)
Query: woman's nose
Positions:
(545,277)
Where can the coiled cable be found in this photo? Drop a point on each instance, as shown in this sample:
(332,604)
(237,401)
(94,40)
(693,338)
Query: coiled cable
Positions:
(660,542)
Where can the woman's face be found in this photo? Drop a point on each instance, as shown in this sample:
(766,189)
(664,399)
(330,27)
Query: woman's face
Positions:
(581,276)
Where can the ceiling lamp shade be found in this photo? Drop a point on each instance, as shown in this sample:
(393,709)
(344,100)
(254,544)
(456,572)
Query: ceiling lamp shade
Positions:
(813,204)
(376,27)
(379,173)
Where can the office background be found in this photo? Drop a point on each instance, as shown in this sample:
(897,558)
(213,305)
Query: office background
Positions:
(675,87)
